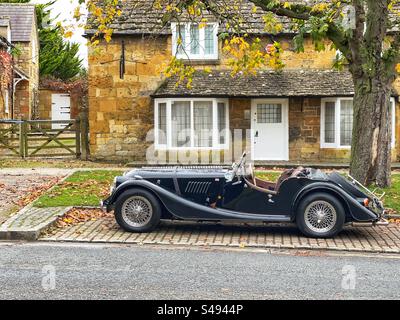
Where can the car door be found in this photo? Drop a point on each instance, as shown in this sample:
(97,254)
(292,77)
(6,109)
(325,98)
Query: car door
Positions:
(240,197)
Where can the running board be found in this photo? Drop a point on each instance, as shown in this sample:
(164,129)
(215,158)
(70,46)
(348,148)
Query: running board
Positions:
(247,218)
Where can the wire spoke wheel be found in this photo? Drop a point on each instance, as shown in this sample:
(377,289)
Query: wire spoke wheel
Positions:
(137,211)
(320,216)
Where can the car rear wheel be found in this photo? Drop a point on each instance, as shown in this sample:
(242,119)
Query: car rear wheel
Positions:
(137,211)
(320,215)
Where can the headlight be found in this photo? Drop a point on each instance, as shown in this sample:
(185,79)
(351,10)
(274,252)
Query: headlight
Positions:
(113,186)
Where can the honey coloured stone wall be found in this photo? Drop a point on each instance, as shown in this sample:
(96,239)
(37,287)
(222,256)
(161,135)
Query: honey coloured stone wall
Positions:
(121,111)
(26,92)
(22,101)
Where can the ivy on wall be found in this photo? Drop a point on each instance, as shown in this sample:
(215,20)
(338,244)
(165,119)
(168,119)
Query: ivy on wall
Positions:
(6,69)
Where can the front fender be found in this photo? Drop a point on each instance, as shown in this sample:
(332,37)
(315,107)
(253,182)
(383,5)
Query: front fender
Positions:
(129,184)
(354,209)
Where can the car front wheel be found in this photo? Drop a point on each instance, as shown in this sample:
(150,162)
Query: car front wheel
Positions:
(137,211)
(320,215)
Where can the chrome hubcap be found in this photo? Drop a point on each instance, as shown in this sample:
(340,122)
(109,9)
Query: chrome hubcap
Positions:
(320,216)
(137,211)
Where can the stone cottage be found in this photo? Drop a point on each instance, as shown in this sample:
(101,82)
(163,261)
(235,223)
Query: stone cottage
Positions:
(19,25)
(301,114)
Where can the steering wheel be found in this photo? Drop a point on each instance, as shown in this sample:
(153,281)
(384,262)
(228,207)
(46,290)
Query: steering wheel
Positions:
(240,164)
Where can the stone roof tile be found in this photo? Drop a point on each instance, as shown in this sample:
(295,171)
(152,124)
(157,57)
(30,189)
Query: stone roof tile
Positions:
(139,17)
(287,83)
(21,17)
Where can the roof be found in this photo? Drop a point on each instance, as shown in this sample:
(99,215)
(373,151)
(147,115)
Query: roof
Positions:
(22,16)
(287,83)
(140,17)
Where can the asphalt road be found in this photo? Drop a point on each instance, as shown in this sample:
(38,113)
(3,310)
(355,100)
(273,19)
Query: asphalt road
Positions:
(53,271)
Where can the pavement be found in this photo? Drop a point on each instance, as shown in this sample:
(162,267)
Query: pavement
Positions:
(379,239)
(17,186)
(55,271)
(33,222)
(30,222)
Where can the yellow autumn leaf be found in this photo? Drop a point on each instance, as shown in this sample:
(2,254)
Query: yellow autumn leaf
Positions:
(68,34)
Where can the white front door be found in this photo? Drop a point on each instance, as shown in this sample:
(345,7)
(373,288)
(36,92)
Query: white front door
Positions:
(60,109)
(270,129)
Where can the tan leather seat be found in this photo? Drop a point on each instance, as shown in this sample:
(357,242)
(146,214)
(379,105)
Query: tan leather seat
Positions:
(272,187)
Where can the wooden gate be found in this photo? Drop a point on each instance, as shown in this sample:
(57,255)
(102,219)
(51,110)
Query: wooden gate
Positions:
(11,138)
(38,138)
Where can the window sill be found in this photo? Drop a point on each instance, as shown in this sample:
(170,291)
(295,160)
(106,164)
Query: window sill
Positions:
(336,147)
(161,148)
(201,62)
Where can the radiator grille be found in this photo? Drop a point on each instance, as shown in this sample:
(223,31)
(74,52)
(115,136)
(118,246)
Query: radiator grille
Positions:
(197,187)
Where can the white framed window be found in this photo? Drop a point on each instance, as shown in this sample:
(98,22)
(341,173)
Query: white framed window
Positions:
(192,41)
(191,123)
(337,122)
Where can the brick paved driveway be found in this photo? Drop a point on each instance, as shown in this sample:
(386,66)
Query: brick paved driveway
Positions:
(362,239)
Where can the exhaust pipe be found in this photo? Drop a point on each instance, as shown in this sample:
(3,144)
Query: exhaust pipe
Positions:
(382,222)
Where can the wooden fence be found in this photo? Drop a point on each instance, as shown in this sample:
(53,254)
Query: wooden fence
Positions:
(43,138)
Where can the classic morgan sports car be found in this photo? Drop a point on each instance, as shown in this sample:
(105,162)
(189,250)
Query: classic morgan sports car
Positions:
(320,204)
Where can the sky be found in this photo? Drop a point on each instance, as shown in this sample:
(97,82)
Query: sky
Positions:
(64,9)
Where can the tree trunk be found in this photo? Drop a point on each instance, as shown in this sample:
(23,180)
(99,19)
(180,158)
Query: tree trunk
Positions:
(371,144)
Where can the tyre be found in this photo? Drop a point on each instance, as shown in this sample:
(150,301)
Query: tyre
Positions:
(137,211)
(320,215)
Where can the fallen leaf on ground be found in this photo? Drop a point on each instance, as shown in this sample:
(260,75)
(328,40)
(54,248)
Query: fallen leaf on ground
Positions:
(76,216)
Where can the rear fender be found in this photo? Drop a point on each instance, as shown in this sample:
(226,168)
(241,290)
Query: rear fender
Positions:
(354,210)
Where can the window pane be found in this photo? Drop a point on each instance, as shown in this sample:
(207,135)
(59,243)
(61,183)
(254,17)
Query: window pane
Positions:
(346,122)
(180,124)
(180,39)
(329,122)
(203,123)
(222,122)
(162,123)
(194,39)
(269,113)
(209,40)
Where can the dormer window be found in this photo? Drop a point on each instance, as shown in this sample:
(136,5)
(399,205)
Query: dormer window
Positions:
(192,41)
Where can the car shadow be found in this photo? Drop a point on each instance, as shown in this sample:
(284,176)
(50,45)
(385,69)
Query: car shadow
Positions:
(273,229)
